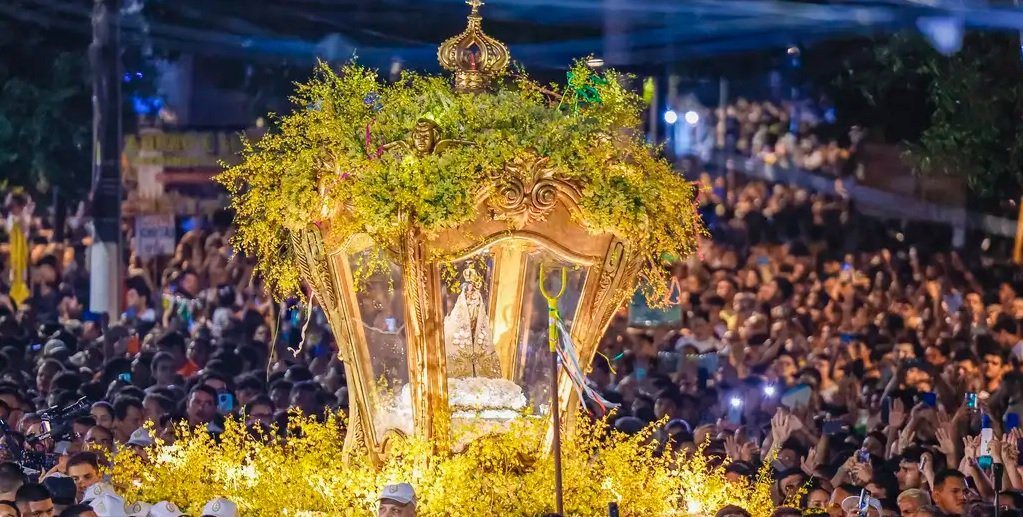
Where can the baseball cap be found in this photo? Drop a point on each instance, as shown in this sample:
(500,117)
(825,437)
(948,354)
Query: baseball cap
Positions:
(53,346)
(139,509)
(98,490)
(220,507)
(108,505)
(165,509)
(401,493)
(141,437)
(62,489)
(850,503)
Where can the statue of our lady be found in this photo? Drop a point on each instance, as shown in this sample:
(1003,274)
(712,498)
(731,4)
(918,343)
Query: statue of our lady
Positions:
(467,338)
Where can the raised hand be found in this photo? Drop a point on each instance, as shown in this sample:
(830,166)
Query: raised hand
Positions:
(945,443)
(782,425)
(897,414)
(995,446)
(905,438)
(862,473)
(1010,451)
(970,446)
(811,461)
(732,448)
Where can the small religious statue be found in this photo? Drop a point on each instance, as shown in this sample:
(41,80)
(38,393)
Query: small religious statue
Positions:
(425,140)
(467,337)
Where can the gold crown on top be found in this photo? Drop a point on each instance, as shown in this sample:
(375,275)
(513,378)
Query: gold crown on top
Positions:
(474,57)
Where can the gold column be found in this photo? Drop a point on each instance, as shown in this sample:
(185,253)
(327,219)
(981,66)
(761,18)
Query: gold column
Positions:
(330,279)
(425,332)
(506,303)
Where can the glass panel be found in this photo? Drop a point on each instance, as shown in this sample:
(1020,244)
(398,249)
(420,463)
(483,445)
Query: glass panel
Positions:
(533,368)
(495,334)
(382,313)
(478,392)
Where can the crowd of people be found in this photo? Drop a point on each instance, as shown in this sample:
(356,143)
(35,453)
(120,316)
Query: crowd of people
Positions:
(861,370)
(788,135)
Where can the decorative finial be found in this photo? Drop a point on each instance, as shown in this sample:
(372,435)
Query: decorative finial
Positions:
(474,57)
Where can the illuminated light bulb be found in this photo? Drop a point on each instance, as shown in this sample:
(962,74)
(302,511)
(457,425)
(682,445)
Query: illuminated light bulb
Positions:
(670,116)
(692,118)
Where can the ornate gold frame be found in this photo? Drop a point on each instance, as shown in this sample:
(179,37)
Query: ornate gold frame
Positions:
(528,207)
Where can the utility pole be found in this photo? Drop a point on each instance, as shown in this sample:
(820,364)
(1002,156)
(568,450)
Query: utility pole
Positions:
(105,252)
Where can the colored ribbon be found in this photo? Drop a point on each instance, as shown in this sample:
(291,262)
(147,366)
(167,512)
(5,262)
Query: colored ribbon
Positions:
(573,368)
(585,90)
(369,145)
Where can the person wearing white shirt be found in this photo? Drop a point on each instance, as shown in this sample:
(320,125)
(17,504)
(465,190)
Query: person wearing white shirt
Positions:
(701,337)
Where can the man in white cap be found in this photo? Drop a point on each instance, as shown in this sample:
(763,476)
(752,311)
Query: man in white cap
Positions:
(398,500)
(165,509)
(140,440)
(83,469)
(220,507)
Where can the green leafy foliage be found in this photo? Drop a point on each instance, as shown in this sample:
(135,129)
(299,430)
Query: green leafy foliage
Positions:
(45,111)
(956,114)
(317,167)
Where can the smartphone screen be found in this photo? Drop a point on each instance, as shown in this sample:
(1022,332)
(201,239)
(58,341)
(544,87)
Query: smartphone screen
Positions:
(126,377)
(1011,421)
(797,397)
(930,399)
(735,412)
(833,427)
(971,400)
(225,402)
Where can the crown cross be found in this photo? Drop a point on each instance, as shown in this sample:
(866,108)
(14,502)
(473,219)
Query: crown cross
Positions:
(474,57)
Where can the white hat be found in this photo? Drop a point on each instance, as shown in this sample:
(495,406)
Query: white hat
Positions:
(99,490)
(220,507)
(401,493)
(141,437)
(165,509)
(108,505)
(139,509)
(852,502)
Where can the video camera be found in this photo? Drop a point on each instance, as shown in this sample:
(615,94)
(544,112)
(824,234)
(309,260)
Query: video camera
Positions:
(56,424)
(57,421)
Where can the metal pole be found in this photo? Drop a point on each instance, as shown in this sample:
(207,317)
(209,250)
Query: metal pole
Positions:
(556,415)
(105,252)
(552,342)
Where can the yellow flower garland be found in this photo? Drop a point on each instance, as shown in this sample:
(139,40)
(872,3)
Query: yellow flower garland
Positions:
(502,474)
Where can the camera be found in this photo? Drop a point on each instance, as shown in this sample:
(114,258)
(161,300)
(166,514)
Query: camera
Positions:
(57,421)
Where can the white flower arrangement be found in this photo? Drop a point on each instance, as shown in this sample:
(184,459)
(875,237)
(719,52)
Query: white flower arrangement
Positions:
(469,398)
